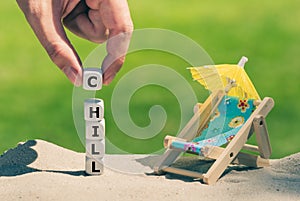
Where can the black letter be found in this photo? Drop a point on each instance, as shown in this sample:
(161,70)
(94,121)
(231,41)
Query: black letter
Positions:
(94,167)
(95,131)
(93,150)
(90,82)
(96,112)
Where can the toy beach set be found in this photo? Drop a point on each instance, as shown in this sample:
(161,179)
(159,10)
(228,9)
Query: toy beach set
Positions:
(218,131)
(222,125)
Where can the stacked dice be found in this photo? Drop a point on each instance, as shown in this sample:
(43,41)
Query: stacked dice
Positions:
(94,123)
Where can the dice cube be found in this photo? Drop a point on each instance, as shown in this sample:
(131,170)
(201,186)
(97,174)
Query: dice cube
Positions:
(92,79)
(95,148)
(94,166)
(93,109)
(95,130)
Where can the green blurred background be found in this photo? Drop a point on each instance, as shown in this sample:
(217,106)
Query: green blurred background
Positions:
(36,99)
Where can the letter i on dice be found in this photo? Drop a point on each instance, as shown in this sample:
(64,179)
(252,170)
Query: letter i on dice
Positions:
(94,123)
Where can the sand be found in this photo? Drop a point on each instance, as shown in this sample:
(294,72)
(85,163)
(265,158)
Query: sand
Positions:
(39,170)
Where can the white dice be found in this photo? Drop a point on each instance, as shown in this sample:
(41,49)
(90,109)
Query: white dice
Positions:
(92,79)
(94,123)
(94,166)
(93,109)
(95,130)
(95,148)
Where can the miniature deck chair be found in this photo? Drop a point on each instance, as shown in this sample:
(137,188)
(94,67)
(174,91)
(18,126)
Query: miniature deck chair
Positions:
(225,118)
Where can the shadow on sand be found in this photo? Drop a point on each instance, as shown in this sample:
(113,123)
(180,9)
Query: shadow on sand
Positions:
(190,163)
(15,161)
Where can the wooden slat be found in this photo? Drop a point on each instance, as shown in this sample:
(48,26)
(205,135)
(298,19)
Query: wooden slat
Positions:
(187,173)
(203,116)
(169,139)
(262,137)
(212,152)
(227,155)
(208,112)
(250,147)
(251,160)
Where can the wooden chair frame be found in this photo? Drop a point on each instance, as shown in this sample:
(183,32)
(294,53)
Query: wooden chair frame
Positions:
(232,153)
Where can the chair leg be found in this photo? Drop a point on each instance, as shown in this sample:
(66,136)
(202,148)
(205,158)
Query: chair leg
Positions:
(262,137)
(228,155)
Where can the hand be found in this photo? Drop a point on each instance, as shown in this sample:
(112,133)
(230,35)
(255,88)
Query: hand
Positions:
(94,20)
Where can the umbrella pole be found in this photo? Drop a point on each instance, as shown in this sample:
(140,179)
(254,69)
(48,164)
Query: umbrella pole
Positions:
(243,61)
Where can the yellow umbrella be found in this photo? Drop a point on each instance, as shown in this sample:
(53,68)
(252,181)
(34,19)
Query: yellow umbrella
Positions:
(215,77)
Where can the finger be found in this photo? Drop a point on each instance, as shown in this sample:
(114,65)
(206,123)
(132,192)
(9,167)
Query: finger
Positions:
(46,24)
(86,23)
(113,65)
(117,47)
(115,16)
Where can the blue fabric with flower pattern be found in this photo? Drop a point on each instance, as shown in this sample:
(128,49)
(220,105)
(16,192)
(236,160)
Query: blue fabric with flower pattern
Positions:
(229,117)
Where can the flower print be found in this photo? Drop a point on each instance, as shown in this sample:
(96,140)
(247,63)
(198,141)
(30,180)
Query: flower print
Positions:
(236,122)
(216,114)
(230,138)
(243,105)
(190,147)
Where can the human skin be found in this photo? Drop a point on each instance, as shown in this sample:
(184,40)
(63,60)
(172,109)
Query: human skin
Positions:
(95,20)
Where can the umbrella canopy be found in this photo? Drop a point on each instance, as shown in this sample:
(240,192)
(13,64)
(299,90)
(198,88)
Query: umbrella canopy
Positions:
(215,77)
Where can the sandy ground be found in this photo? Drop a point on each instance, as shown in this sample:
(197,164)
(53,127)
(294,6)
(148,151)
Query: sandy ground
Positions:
(38,170)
